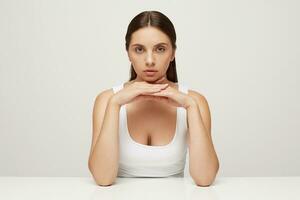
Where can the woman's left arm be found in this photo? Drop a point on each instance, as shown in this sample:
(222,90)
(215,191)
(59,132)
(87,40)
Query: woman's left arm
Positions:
(203,160)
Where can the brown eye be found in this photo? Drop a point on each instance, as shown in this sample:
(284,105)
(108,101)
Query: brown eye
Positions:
(161,49)
(138,49)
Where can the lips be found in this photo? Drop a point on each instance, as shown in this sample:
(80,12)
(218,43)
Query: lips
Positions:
(150,72)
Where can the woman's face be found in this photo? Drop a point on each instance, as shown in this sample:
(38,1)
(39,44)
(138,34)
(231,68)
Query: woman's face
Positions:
(150,49)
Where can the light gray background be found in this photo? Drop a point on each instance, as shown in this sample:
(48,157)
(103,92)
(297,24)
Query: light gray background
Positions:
(57,56)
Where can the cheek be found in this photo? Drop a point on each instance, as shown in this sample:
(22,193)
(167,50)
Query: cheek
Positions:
(166,60)
(135,58)
(136,63)
(166,57)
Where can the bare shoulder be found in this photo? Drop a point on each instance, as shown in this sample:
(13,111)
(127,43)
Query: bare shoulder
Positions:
(104,96)
(100,102)
(200,98)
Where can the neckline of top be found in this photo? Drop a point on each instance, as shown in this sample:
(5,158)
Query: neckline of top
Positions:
(150,146)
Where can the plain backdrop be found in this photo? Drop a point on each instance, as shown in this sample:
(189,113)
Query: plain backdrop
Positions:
(57,56)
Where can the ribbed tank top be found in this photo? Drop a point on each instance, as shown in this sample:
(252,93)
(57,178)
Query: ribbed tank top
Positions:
(139,160)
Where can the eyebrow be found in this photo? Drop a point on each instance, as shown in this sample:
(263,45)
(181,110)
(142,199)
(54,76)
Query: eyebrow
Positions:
(161,43)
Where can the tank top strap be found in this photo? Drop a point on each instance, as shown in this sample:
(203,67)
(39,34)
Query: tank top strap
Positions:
(183,88)
(182,118)
(118,87)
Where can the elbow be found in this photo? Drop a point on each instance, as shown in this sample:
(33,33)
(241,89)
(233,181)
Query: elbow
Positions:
(104,183)
(99,179)
(103,180)
(203,183)
(207,179)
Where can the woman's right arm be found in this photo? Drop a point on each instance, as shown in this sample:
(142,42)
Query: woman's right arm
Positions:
(104,154)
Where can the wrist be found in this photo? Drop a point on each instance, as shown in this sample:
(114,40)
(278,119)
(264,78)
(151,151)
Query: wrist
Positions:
(190,103)
(113,102)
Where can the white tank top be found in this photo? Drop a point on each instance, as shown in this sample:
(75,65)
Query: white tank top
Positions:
(139,160)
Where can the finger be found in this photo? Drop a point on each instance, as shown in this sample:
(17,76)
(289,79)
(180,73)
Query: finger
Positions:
(150,97)
(165,86)
(152,90)
(160,93)
(157,86)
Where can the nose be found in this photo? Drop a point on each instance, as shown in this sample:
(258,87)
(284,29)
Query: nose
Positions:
(149,59)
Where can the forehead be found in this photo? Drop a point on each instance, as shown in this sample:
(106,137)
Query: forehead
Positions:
(149,36)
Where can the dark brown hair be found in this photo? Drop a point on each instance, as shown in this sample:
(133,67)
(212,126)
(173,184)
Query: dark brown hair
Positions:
(160,21)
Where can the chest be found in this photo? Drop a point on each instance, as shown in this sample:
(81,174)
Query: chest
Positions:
(150,125)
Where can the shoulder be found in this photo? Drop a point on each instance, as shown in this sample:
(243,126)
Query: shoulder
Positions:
(198,97)
(103,96)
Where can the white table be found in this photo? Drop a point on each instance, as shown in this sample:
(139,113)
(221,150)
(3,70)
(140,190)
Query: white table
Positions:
(231,188)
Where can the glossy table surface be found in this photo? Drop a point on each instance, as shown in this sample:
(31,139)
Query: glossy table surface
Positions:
(174,188)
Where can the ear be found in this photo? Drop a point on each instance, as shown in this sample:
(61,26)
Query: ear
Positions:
(173,55)
(128,56)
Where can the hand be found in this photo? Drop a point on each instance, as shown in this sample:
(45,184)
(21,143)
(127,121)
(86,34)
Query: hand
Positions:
(173,97)
(137,91)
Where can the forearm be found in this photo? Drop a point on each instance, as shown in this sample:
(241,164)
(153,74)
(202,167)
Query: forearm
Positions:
(203,161)
(104,159)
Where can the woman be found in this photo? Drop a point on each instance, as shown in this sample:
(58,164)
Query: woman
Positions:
(142,128)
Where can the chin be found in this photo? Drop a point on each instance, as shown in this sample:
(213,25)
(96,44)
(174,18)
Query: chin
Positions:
(151,80)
